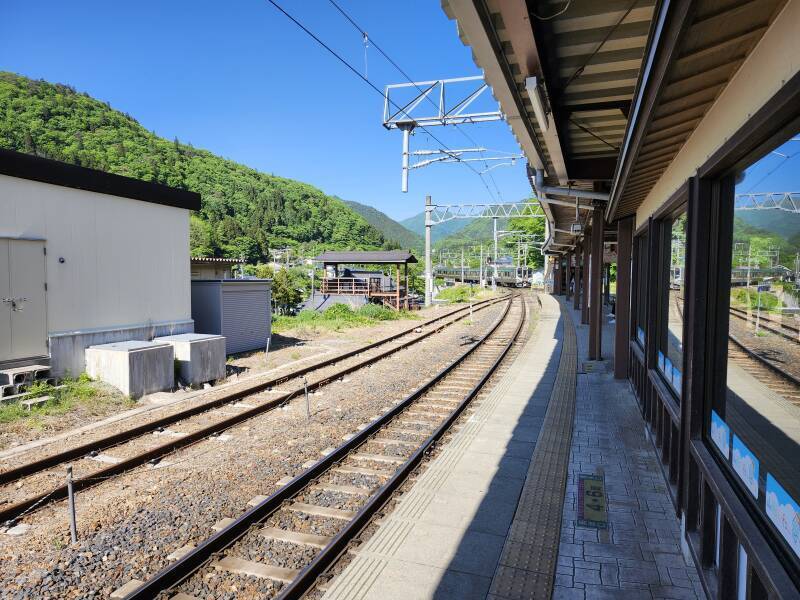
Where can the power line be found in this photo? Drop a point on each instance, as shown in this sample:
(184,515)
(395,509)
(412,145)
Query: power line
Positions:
(412,82)
(444,148)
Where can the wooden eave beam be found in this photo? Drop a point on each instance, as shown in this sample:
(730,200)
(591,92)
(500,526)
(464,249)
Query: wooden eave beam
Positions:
(677,23)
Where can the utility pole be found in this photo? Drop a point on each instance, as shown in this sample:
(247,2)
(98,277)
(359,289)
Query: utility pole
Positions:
(480,270)
(406,128)
(462,264)
(428,269)
(494,265)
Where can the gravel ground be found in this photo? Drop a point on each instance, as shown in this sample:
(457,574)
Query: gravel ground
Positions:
(773,347)
(45,481)
(288,351)
(373,526)
(339,500)
(129,525)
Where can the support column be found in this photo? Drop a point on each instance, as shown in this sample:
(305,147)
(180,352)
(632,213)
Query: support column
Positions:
(397,291)
(407,289)
(569,274)
(557,275)
(576,300)
(622,332)
(585,280)
(595,287)
(494,261)
(428,268)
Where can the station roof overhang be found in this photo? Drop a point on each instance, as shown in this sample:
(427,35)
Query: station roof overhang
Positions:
(381,257)
(699,47)
(586,57)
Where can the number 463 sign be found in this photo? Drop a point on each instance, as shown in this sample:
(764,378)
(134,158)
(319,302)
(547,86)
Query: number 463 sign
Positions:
(592,502)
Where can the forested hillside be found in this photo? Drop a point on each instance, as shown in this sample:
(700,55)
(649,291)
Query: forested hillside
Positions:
(244,213)
(392,231)
(417,225)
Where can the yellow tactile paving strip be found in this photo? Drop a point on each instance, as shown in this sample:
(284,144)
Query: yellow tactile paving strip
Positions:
(528,561)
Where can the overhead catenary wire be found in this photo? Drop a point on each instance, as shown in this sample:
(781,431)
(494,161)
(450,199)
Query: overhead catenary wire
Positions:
(363,32)
(554,15)
(444,148)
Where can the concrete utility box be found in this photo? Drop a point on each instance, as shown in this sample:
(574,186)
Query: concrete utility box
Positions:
(201,356)
(133,367)
(238,309)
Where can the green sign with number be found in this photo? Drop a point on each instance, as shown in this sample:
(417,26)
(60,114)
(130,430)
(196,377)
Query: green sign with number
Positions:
(592,502)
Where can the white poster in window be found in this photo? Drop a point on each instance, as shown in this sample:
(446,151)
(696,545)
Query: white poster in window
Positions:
(745,464)
(720,434)
(784,512)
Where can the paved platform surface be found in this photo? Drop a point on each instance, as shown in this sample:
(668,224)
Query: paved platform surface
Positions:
(455,534)
(638,556)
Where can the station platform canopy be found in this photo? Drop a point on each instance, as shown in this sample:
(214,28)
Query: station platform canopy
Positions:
(383,257)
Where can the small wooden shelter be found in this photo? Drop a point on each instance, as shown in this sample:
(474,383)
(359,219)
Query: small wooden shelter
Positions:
(339,279)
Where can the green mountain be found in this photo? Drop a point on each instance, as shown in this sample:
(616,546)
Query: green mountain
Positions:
(475,231)
(778,222)
(244,212)
(417,225)
(392,230)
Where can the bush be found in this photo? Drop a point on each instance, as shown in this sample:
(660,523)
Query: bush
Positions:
(339,316)
(741,297)
(339,311)
(459,293)
(378,312)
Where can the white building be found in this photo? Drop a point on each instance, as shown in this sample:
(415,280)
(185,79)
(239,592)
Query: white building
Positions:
(86,258)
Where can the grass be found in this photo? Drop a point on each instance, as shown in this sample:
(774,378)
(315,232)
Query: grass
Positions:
(463,293)
(79,393)
(338,317)
(740,298)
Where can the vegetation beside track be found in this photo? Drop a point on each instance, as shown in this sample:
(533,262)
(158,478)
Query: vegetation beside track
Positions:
(338,317)
(464,293)
(81,395)
(741,298)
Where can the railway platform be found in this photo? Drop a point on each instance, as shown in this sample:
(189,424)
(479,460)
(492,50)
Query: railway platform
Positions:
(498,513)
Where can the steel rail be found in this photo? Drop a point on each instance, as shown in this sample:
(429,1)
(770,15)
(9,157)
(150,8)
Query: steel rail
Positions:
(767,363)
(737,312)
(755,356)
(9,513)
(190,563)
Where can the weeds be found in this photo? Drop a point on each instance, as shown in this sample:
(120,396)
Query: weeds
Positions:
(71,394)
(338,317)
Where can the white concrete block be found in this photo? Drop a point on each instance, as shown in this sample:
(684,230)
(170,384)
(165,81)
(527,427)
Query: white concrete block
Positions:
(201,356)
(135,368)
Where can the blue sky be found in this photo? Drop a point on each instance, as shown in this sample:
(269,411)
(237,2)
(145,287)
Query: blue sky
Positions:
(777,171)
(242,81)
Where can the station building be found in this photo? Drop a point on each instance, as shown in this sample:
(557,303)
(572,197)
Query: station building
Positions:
(669,128)
(87,258)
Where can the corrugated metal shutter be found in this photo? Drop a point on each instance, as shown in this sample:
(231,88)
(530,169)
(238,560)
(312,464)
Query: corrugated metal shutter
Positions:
(245,319)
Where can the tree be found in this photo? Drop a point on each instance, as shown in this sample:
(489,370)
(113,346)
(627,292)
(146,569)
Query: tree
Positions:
(284,294)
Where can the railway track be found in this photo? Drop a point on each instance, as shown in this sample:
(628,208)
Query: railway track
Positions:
(782,329)
(281,546)
(758,366)
(764,370)
(145,443)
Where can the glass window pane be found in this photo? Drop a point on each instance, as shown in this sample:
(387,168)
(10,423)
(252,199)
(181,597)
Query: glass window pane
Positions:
(641,289)
(670,342)
(755,427)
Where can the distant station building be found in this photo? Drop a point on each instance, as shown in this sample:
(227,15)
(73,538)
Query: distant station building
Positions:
(211,267)
(346,280)
(659,139)
(87,258)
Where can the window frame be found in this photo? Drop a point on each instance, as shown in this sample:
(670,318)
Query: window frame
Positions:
(677,205)
(706,329)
